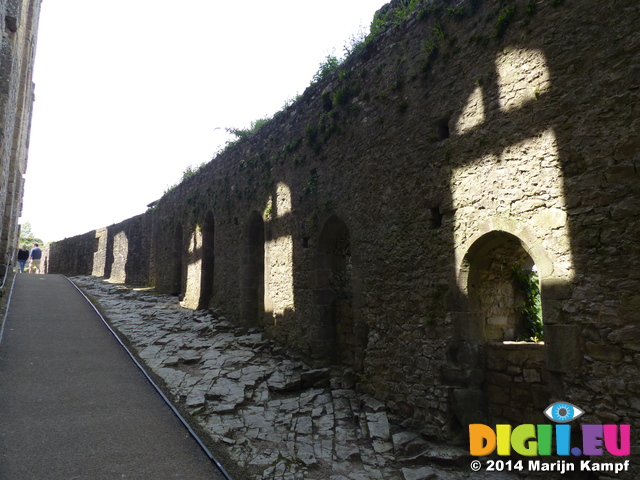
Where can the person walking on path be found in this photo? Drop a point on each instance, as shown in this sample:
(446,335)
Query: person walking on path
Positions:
(35,256)
(74,404)
(23,256)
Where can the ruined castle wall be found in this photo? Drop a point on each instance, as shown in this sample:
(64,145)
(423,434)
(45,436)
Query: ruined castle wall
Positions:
(73,256)
(129,247)
(362,223)
(120,252)
(18,26)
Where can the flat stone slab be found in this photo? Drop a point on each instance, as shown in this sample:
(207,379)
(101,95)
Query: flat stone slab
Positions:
(422,473)
(270,410)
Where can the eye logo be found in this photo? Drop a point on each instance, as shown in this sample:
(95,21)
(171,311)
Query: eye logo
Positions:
(563,412)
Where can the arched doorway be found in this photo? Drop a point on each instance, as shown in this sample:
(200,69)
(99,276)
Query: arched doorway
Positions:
(334,336)
(208,261)
(252,308)
(177,260)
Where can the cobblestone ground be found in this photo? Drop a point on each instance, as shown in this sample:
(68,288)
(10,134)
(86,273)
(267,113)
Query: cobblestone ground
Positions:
(277,417)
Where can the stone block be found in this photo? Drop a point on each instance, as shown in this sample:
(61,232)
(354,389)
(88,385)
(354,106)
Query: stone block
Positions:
(421,473)
(497,395)
(497,320)
(625,209)
(555,289)
(378,425)
(563,348)
(195,399)
(550,219)
(496,362)
(531,375)
(604,353)
(470,405)
(496,378)
(629,336)
(402,439)
(468,355)
(456,376)
(617,173)
(315,377)
(468,326)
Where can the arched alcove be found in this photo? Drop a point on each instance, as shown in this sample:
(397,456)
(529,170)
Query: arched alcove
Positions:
(177,254)
(208,261)
(333,336)
(120,257)
(497,262)
(253,271)
(501,362)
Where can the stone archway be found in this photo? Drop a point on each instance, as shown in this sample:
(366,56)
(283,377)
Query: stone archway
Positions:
(493,287)
(208,261)
(335,337)
(252,308)
(497,373)
(177,255)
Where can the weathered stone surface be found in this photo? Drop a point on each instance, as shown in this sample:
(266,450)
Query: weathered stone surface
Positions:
(308,432)
(19,31)
(629,336)
(378,425)
(605,353)
(422,473)
(195,398)
(566,356)
(377,220)
(283,382)
(315,377)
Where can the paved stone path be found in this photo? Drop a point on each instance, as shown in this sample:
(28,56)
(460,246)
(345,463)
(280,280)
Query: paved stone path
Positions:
(279,418)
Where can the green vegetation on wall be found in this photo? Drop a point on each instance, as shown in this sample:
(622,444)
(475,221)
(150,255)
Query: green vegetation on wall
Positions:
(338,103)
(531,308)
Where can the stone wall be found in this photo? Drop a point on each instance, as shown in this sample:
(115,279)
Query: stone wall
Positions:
(120,252)
(516,383)
(18,26)
(365,223)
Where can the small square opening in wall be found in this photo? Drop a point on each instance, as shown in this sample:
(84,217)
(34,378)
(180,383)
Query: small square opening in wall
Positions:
(442,129)
(305,242)
(11,23)
(436,217)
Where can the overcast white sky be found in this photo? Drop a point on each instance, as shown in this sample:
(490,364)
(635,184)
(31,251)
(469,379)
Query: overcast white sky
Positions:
(129,93)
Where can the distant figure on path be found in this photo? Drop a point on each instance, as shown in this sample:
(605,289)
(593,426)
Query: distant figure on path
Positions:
(35,256)
(23,256)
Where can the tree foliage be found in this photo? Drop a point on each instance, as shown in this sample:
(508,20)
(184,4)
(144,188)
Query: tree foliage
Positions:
(27,237)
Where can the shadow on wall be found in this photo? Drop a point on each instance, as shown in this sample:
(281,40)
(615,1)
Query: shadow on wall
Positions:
(252,274)
(336,337)
(177,262)
(72,256)
(508,226)
(193,268)
(208,261)
(518,180)
(120,252)
(484,242)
